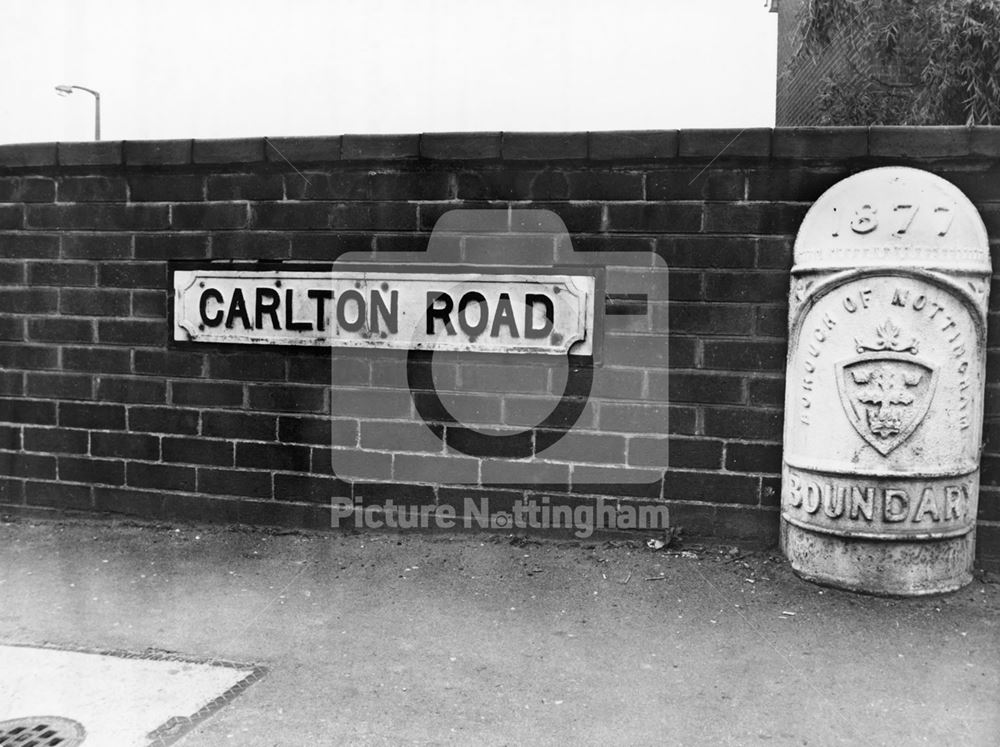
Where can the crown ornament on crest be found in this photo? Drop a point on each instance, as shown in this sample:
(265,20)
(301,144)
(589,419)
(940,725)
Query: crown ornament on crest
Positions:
(887,339)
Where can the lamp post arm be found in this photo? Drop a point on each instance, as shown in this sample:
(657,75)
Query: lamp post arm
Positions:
(97,109)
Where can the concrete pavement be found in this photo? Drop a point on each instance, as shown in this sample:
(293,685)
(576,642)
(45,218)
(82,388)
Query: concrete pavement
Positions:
(410,638)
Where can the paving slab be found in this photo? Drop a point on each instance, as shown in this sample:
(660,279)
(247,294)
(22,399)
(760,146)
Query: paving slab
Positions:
(433,638)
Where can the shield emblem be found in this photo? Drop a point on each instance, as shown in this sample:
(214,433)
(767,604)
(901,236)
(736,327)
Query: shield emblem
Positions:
(885,396)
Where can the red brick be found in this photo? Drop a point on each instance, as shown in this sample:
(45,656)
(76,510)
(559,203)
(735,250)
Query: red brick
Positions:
(197,451)
(460,146)
(29,246)
(745,355)
(710,487)
(604,185)
(328,247)
(249,245)
(19,464)
(617,481)
(125,445)
(636,350)
(255,186)
(688,453)
(257,366)
(12,328)
(465,408)
(242,482)
(29,300)
(12,216)
(766,391)
(756,458)
(432,468)
(171,246)
(709,388)
(163,420)
(753,287)
(98,153)
(96,246)
(155,187)
(230,150)
(11,492)
(690,183)
(28,356)
(379,147)
(383,435)
(412,185)
(132,275)
(793,184)
(138,391)
(320,431)
(15,410)
(55,440)
(61,273)
(168,363)
(157,152)
(238,425)
(538,475)
(774,252)
(341,184)
(131,332)
(587,447)
(663,217)
(310,488)
(150,304)
(10,439)
(771,321)
(210,215)
(96,360)
(623,145)
(287,398)
(92,189)
(27,189)
(637,419)
(58,495)
(708,319)
(292,215)
(163,476)
(131,502)
(370,403)
(93,416)
(206,393)
(754,217)
(91,471)
(11,382)
(543,146)
(739,422)
(59,386)
(288,457)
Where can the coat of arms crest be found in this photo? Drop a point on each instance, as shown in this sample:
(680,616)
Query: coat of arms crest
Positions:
(886,391)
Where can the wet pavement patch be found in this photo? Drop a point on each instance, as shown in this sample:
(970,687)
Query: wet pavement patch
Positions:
(110,698)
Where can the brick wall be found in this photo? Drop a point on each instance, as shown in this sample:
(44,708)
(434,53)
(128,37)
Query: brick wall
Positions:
(100,412)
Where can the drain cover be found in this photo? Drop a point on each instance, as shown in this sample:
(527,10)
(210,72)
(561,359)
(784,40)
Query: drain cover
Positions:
(41,731)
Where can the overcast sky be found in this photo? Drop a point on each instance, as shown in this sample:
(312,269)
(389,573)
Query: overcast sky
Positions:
(234,68)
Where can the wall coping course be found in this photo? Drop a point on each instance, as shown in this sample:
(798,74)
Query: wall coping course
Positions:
(800,143)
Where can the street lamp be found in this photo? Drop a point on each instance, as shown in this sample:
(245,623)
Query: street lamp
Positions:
(67,90)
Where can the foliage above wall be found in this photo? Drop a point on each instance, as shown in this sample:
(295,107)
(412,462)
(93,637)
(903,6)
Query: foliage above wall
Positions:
(917,62)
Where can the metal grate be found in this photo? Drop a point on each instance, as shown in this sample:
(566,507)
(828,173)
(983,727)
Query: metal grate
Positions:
(41,731)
